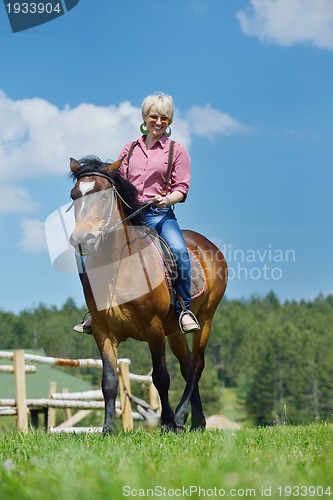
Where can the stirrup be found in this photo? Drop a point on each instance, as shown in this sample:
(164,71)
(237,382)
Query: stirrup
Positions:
(81,328)
(191,327)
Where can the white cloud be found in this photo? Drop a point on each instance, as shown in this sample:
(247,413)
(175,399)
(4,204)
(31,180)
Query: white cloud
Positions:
(37,138)
(34,239)
(286,22)
(15,199)
(208,122)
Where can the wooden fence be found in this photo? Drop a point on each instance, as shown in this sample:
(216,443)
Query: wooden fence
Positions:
(85,402)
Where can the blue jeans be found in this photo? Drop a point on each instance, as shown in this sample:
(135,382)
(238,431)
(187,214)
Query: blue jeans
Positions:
(164,221)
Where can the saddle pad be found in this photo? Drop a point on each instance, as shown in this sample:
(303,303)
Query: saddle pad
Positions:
(198,279)
(168,265)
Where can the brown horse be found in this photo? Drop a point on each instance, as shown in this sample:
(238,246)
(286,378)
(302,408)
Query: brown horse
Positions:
(127,294)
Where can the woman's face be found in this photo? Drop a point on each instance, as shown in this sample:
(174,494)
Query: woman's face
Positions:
(156,123)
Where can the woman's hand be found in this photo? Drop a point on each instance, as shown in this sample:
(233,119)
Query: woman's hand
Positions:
(166,201)
(161,201)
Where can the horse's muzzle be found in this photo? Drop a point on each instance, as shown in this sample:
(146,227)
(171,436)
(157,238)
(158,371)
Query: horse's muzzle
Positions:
(86,243)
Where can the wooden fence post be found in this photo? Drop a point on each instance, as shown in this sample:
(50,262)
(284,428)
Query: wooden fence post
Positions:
(21,393)
(154,398)
(67,411)
(51,412)
(125,394)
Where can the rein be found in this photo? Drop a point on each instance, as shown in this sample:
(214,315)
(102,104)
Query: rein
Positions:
(129,217)
(105,231)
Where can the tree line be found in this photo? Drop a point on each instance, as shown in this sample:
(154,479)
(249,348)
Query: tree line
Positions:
(278,357)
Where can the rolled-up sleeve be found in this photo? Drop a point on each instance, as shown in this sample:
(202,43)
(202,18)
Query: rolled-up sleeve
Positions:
(181,171)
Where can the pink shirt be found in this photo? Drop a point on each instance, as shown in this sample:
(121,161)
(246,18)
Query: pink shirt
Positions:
(147,168)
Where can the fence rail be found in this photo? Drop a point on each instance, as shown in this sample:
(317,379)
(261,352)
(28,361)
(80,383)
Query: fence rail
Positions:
(84,401)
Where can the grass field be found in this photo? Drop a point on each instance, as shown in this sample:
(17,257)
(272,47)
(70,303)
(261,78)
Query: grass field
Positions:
(276,462)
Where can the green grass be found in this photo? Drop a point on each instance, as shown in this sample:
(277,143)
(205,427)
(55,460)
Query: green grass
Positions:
(39,465)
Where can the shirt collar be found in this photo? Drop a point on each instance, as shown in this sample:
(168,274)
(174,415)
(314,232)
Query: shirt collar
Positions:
(162,141)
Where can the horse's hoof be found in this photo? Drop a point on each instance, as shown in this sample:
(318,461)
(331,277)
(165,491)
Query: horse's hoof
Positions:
(168,427)
(108,431)
(173,427)
(199,428)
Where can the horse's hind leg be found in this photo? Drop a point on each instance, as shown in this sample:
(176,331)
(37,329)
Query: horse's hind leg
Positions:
(161,380)
(179,347)
(191,394)
(198,420)
(194,370)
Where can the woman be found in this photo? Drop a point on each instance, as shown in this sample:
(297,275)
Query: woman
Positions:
(160,170)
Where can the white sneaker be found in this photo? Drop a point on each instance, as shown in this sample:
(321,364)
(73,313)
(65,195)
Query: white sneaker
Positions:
(188,322)
(84,326)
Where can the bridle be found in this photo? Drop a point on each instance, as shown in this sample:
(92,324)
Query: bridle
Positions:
(106,230)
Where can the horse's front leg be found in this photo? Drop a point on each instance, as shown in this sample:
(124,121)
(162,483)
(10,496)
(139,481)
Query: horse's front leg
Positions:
(109,354)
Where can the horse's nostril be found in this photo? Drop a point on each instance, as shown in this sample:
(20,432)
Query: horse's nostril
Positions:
(89,238)
(83,242)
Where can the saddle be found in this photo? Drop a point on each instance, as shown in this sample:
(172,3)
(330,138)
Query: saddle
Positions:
(169,266)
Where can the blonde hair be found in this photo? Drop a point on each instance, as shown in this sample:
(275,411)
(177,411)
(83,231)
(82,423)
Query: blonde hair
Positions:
(163,104)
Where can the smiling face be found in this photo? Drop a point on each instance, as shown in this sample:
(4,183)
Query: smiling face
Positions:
(156,123)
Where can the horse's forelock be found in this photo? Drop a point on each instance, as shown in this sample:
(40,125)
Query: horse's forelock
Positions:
(89,164)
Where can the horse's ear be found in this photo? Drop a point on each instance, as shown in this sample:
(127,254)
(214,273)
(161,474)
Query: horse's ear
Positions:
(112,167)
(74,164)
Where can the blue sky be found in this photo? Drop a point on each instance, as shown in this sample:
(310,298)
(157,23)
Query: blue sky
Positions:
(252,83)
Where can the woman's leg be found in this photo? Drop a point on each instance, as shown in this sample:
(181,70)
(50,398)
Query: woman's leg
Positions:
(171,233)
(166,225)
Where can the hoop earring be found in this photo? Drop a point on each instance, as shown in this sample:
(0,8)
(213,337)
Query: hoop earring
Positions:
(143,129)
(167,133)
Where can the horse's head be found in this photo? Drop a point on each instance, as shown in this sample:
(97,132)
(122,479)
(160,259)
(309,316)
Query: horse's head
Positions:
(94,202)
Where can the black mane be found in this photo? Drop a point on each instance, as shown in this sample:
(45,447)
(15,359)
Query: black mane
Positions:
(126,190)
